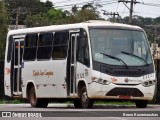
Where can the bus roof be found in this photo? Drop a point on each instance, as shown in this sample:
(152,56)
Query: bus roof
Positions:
(91,23)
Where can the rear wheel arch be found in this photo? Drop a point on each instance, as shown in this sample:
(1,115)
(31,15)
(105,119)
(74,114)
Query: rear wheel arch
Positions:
(29,86)
(32,97)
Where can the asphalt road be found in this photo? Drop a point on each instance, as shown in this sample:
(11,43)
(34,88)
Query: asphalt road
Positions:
(65,112)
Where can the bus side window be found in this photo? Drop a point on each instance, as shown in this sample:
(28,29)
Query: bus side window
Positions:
(44,46)
(30,47)
(10,46)
(83,49)
(60,45)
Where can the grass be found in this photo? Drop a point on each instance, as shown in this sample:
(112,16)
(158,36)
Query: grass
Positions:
(19,101)
(116,103)
(105,102)
(15,101)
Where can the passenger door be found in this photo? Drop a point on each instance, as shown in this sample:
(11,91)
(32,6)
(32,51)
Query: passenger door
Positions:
(17,65)
(72,64)
(13,64)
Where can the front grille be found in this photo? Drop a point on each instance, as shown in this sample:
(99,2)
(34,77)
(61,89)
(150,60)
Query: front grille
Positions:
(134,92)
(122,72)
(127,73)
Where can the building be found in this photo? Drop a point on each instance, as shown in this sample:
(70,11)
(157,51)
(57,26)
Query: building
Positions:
(13,27)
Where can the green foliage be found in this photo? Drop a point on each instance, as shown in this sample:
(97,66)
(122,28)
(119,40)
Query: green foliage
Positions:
(157,21)
(34,13)
(13,101)
(54,14)
(26,7)
(86,13)
(40,19)
(3,30)
(57,16)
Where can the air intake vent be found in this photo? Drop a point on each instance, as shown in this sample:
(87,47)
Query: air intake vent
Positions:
(127,73)
(126,92)
(123,72)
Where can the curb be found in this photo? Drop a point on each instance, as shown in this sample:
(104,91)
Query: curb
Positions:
(72,106)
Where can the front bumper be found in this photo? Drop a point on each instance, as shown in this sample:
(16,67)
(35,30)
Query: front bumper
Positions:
(113,91)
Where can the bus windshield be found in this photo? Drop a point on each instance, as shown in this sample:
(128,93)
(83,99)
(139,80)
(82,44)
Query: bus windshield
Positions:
(129,46)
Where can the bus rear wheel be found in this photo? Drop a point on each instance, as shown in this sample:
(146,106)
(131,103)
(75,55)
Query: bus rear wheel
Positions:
(84,100)
(77,103)
(36,102)
(141,103)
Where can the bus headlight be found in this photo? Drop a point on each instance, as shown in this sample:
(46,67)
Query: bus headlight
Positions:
(100,80)
(149,83)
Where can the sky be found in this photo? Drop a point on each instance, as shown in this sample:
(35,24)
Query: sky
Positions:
(151,10)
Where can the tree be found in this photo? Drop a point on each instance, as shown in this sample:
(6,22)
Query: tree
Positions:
(87,12)
(25,7)
(148,21)
(53,16)
(157,21)
(74,10)
(37,20)
(57,16)
(3,29)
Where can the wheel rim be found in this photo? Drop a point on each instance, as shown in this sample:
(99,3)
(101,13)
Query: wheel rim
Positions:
(84,99)
(33,98)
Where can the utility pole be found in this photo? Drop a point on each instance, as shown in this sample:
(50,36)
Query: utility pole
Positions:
(132,2)
(131,13)
(17,16)
(112,14)
(155,43)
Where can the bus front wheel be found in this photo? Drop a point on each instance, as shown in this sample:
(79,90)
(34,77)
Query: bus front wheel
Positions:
(85,101)
(141,103)
(36,102)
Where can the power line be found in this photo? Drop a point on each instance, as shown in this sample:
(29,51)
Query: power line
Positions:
(62,1)
(130,9)
(105,2)
(108,3)
(70,5)
(151,4)
(123,12)
(117,7)
(113,15)
(82,3)
(74,4)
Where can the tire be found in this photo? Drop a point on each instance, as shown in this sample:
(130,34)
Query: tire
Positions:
(36,102)
(85,101)
(141,103)
(77,103)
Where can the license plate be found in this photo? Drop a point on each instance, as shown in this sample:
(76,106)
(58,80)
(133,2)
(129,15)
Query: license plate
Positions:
(124,97)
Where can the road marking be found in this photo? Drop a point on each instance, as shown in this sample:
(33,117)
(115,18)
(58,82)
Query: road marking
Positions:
(117,118)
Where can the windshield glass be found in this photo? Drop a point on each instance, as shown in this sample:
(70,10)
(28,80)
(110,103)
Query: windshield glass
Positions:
(129,46)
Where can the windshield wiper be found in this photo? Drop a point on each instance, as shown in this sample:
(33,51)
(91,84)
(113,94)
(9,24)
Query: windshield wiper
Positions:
(130,54)
(115,59)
